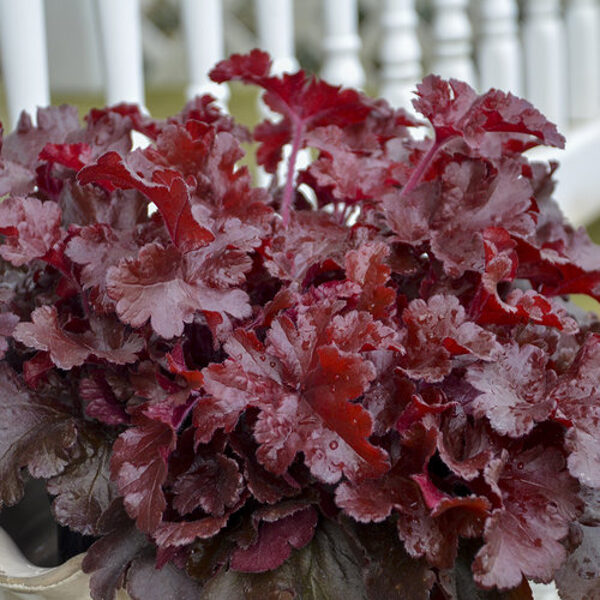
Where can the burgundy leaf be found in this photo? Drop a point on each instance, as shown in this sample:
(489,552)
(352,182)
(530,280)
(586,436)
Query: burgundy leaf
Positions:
(108,561)
(97,248)
(30,228)
(100,401)
(174,534)
(437,330)
(160,276)
(53,124)
(312,238)
(34,433)
(167,189)
(501,265)
(454,108)
(579,577)
(464,445)
(367,266)
(523,537)
(139,468)
(83,492)
(358,331)
(560,260)
(256,378)
(305,103)
(211,483)
(576,398)
(105,340)
(515,390)
(275,542)
(72,156)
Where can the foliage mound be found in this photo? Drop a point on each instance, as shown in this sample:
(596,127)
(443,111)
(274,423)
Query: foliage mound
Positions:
(363,381)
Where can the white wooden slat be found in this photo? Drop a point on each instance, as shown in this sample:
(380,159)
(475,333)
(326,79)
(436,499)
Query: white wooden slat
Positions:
(121,37)
(452,32)
(24,58)
(275,27)
(204,34)
(400,52)
(544,591)
(499,48)
(545,60)
(583,44)
(341,44)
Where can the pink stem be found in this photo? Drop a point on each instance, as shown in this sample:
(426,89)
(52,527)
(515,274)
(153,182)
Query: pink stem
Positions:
(423,165)
(286,203)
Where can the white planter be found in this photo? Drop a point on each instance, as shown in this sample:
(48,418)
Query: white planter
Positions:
(20,579)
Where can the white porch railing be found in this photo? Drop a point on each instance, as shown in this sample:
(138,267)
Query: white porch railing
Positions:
(546,50)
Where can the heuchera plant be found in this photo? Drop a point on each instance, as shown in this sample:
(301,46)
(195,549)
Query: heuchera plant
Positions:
(362,382)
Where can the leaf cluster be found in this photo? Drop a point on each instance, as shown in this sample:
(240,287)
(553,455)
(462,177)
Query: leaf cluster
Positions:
(364,380)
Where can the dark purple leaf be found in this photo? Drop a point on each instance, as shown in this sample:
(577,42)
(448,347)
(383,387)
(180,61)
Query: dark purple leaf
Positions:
(523,537)
(34,433)
(139,469)
(83,491)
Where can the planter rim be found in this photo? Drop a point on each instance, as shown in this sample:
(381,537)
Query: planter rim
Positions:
(17,573)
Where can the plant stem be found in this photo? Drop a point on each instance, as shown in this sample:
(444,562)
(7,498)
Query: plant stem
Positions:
(286,203)
(423,165)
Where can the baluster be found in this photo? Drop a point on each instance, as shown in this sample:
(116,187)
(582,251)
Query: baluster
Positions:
(400,52)
(341,44)
(121,35)
(203,32)
(453,41)
(583,39)
(24,56)
(499,47)
(275,26)
(544,46)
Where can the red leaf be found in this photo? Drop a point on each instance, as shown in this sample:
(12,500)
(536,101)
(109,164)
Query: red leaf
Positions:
(304,102)
(167,189)
(368,267)
(106,340)
(523,537)
(275,542)
(176,362)
(501,265)
(161,277)
(34,433)
(515,390)
(436,331)
(100,401)
(212,483)
(268,378)
(72,156)
(359,331)
(454,108)
(139,468)
(172,534)
(97,248)
(577,398)
(83,491)
(31,228)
